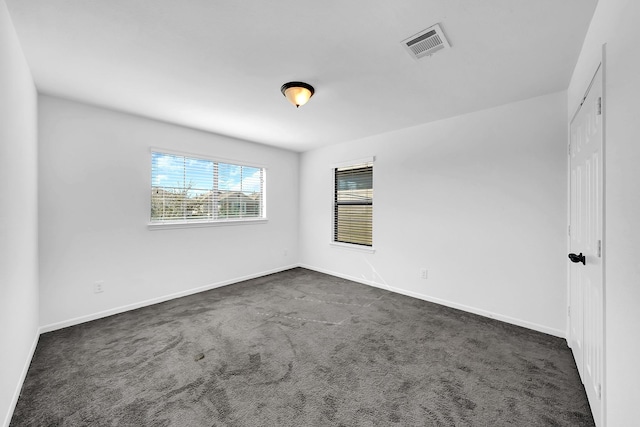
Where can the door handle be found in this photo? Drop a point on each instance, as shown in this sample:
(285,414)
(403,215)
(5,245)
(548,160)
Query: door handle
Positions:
(577,258)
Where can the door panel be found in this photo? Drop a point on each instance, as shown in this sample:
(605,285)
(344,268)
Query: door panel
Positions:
(586,321)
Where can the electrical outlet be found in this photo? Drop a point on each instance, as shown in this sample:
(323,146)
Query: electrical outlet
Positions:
(423,273)
(285,252)
(98,286)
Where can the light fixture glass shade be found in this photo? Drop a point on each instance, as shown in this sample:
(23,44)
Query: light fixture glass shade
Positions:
(298,93)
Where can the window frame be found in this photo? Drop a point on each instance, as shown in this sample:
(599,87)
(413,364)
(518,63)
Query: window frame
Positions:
(345,245)
(195,223)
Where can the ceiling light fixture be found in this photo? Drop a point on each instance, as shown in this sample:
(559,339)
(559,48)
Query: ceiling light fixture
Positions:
(298,93)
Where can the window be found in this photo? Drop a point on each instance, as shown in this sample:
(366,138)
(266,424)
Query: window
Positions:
(190,189)
(353,204)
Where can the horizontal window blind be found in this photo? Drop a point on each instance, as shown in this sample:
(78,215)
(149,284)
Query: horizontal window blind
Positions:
(196,189)
(353,204)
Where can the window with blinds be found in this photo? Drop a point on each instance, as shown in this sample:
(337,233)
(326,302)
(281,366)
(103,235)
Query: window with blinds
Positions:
(191,189)
(353,204)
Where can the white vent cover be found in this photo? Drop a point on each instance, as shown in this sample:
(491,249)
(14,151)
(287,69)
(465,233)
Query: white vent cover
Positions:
(426,42)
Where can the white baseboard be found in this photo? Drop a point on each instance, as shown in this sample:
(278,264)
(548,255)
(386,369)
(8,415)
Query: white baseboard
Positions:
(470,309)
(507,319)
(152,301)
(122,309)
(23,376)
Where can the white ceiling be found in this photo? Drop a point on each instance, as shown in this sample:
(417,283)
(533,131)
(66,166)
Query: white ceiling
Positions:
(218,65)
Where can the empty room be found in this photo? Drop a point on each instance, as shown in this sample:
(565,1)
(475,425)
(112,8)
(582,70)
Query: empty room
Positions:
(412,213)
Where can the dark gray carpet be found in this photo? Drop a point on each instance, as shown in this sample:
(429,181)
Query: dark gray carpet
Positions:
(300,348)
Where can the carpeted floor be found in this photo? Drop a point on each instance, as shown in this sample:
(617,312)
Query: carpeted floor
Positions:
(300,348)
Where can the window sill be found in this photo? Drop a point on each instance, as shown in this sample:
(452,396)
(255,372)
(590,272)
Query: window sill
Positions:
(197,224)
(357,248)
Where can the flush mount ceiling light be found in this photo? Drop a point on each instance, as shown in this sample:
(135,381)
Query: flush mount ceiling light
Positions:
(298,93)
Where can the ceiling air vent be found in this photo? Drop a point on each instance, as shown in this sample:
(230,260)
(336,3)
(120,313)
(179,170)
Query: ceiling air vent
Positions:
(426,42)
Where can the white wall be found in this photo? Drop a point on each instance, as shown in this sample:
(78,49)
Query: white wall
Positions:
(18,217)
(479,200)
(615,23)
(95,174)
